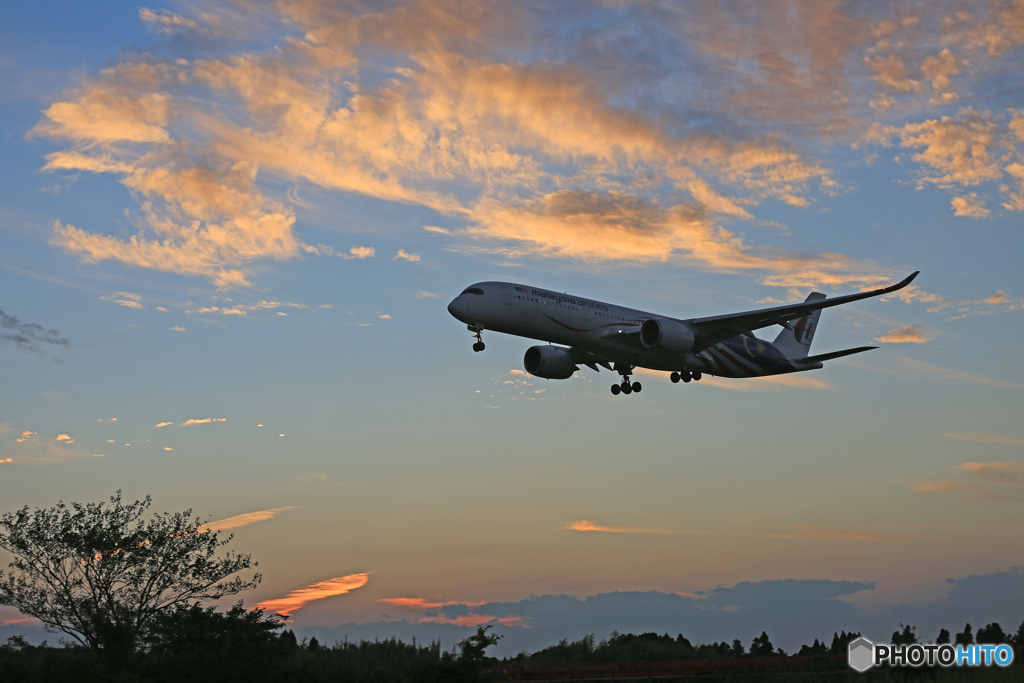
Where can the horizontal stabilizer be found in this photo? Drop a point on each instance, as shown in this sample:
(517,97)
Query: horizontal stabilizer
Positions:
(821,358)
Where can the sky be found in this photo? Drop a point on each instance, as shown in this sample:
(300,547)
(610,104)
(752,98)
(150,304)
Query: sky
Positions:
(229,231)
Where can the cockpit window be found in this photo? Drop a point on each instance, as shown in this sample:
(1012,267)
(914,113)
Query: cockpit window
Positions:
(473,290)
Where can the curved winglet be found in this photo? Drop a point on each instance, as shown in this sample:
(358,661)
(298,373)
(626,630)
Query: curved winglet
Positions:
(901,284)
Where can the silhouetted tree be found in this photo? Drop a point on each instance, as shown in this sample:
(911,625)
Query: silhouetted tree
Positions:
(992,634)
(943,637)
(816,649)
(841,642)
(965,637)
(908,636)
(761,646)
(102,574)
(1018,638)
(188,642)
(288,640)
(737,648)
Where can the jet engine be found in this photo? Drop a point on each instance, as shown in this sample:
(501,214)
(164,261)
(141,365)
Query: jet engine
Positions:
(549,362)
(666,335)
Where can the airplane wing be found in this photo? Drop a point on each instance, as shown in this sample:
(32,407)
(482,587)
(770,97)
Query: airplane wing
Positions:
(710,331)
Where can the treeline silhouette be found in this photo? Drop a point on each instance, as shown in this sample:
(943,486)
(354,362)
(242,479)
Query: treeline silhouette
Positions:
(201,644)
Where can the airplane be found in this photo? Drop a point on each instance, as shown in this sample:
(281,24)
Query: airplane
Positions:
(622,339)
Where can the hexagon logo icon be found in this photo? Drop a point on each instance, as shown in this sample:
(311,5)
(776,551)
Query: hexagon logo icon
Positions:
(862,654)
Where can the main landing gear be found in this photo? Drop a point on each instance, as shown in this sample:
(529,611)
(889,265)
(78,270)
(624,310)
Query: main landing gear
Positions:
(626,387)
(478,345)
(685,376)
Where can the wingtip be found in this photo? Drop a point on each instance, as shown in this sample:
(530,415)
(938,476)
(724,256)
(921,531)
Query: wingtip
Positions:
(906,281)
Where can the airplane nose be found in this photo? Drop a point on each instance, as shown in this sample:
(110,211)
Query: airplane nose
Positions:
(453,308)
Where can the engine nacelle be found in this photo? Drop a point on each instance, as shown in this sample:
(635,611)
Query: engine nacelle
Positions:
(666,335)
(549,362)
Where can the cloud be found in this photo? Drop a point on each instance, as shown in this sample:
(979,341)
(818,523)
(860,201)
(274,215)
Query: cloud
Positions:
(999,472)
(982,437)
(168,22)
(29,336)
(1001,480)
(769,383)
(962,151)
(828,534)
(953,486)
(594,152)
(297,599)
(246,309)
(246,519)
(792,611)
(25,436)
(6,460)
(970,206)
(362,252)
(126,299)
(403,255)
(954,375)
(163,424)
(912,334)
(206,420)
(421,603)
(587,525)
(422,294)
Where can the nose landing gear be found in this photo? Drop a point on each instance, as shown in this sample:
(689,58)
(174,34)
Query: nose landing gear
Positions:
(478,345)
(626,387)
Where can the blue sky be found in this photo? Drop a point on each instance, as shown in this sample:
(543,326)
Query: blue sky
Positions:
(229,231)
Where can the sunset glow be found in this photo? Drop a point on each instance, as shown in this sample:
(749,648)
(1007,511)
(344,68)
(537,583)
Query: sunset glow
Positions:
(230,231)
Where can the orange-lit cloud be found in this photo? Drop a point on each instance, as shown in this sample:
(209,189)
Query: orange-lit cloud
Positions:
(244,520)
(205,420)
(970,206)
(587,525)
(829,534)
(403,255)
(469,619)
(999,472)
(297,599)
(769,383)
(953,486)
(547,158)
(908,334)
(982,437)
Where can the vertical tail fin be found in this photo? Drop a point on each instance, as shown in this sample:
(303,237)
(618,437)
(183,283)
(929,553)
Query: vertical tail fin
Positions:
(794,341)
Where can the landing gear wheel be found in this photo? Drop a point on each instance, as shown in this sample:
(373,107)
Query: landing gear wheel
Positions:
(686,377)
(674,377)
(637,387)
(696,376)
(615,390)
(626,388)
(477,331)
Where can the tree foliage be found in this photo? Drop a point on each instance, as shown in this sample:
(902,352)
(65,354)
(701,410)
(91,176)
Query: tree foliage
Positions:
(101,573)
